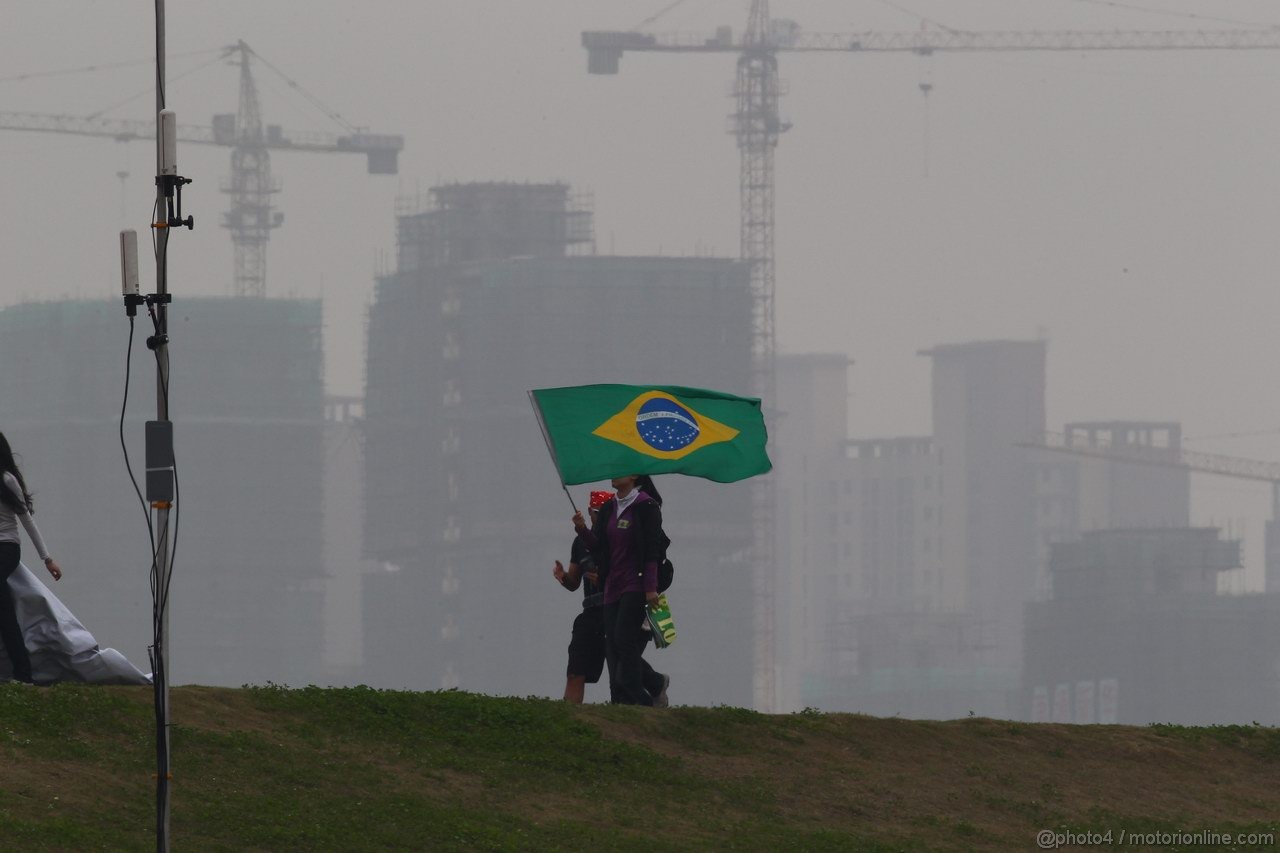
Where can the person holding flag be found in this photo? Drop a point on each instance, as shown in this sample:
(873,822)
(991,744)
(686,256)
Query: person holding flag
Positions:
(624,433)
(628,542)
(588,648)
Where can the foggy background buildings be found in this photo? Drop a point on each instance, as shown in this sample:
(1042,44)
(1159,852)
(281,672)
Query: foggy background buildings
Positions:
(1119,207)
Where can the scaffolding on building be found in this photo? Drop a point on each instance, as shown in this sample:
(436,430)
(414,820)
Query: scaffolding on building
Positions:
(466,222)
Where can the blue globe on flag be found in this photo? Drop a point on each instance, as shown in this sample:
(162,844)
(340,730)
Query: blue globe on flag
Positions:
(664,424)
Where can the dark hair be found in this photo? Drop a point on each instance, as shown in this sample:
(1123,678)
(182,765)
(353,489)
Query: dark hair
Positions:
(20,504)
(645,484)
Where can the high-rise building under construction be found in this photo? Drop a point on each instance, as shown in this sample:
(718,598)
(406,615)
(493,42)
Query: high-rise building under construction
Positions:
(495,293)
(247,398)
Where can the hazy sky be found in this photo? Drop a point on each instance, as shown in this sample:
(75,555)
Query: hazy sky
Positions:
(1126,205)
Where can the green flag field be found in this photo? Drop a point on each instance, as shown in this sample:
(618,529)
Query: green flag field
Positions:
(596,432)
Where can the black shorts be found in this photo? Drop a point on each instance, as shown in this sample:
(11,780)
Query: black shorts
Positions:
(586,649)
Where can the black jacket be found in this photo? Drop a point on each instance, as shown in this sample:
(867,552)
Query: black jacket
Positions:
(648,540)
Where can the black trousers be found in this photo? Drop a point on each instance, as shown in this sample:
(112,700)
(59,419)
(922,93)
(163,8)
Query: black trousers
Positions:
(632,681)
(10,630)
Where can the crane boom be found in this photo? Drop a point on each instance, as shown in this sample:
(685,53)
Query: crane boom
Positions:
(1165,457)
(382,150)
(1087,444)
(605,48)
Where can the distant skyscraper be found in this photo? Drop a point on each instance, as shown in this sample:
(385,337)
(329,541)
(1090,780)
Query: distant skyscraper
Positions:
(988,397)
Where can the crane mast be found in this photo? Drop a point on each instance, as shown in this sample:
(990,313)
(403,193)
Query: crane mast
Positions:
(251,218)
(758,126)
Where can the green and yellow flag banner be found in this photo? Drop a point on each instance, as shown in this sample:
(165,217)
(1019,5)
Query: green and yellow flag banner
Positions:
(596,432)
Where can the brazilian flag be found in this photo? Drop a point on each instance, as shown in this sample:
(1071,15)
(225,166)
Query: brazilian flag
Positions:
(596,432)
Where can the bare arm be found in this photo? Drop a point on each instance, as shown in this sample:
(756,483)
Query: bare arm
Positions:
(573,577)
(570,579)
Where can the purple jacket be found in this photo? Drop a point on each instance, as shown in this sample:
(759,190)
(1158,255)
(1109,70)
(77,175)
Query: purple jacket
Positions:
(627,548)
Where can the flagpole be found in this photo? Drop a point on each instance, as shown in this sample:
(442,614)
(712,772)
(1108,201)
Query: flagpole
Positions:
(570,497)
(546,439)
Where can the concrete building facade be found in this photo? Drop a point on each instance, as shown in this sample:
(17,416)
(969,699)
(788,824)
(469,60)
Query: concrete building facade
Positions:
(1136,633)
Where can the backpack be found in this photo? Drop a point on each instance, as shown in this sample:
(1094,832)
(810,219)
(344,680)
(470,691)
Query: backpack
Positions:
(666,571)
(666,574)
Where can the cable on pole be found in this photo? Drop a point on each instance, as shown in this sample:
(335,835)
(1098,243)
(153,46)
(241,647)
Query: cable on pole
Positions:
(329,112)
(102,66)
(924,19)
(150,89)
(670,7)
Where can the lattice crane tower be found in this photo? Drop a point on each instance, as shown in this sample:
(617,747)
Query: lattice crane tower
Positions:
(251,217)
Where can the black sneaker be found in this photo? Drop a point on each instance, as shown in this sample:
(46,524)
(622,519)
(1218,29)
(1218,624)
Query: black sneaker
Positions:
(661,700)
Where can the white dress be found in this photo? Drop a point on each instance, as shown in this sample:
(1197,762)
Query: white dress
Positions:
(59,646)
(61,649)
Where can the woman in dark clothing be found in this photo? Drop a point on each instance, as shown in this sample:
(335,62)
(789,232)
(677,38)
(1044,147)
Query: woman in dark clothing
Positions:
(628,543)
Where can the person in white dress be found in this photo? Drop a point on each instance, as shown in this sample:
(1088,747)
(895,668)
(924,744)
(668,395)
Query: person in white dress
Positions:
(15,506)
(43,641)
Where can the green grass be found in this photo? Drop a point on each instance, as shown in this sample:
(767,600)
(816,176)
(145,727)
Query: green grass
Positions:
(269,768)
(1257,738)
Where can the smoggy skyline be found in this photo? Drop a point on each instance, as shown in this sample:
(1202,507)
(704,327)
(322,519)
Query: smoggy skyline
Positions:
(1121,205)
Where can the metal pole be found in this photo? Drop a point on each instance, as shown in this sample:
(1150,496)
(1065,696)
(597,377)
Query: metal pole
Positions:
(162,509)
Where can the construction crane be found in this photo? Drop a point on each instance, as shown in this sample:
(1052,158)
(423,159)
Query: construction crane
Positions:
(1106,441)
(758,126)
(1086,440)
(252,216)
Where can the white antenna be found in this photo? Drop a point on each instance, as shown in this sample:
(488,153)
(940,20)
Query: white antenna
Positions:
(129,263)
(168,142)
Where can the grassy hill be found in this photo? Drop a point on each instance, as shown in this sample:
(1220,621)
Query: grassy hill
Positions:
(276,769)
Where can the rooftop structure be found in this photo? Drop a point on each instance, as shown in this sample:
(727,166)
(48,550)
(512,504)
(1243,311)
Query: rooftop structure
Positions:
(462,223)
